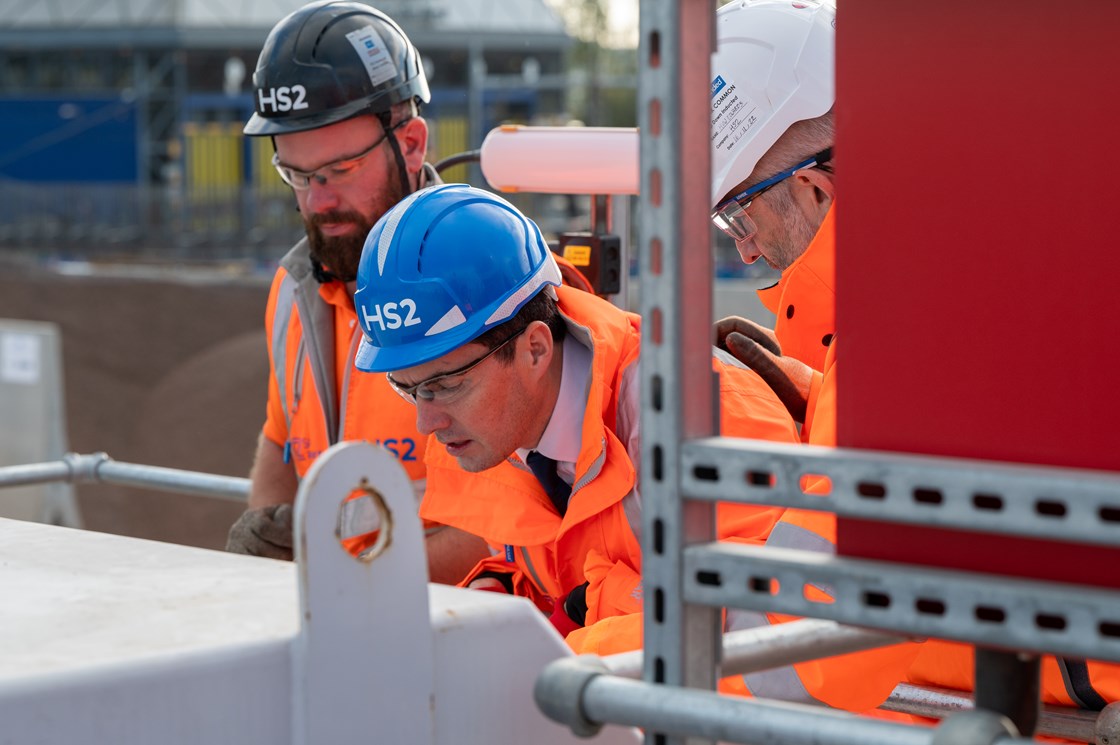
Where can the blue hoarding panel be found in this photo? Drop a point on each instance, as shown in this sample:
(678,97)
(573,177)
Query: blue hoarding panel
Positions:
(68,139)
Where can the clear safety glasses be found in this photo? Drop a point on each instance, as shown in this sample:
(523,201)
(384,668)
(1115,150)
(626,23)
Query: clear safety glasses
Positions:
(731,216)
(441,388)
(335,172)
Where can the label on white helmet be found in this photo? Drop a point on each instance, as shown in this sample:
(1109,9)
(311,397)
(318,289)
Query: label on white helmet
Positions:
(373,53)
(734,114)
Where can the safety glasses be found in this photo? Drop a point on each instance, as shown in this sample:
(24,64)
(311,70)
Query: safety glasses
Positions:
(335,172)
(441,388)
(731,216)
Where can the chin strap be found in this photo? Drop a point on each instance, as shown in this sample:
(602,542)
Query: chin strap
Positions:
(321,275)
(386,119)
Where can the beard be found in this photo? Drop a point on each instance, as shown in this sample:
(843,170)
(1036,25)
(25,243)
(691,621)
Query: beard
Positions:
(795,236)
(340,255)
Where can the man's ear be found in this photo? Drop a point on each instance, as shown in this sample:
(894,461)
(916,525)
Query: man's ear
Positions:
(538,343)
(816,190)
(413,139)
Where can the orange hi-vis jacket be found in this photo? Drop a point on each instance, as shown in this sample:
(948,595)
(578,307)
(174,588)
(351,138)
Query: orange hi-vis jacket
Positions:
(1065,682)
(597,540)
(316,397)
(862,681)
(804,302)
(804,299)
(805,330)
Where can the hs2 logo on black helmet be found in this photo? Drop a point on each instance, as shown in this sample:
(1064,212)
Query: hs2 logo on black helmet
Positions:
(284,98)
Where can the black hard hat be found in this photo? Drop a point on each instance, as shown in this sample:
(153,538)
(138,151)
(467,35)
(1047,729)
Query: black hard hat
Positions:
(330,61)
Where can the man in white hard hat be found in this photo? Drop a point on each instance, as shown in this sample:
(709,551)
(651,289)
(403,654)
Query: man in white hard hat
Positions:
(773,192)
(772,181)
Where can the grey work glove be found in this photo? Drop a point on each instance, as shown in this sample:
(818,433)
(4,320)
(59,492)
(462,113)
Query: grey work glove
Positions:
(265,531)
(757,348)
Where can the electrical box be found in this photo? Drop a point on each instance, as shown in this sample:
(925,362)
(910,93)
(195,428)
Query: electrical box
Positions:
(598,256)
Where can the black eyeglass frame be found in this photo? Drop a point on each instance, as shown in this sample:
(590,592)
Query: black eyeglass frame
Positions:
(409,392)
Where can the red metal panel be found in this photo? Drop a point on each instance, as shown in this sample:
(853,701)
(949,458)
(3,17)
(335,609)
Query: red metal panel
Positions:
(977,255)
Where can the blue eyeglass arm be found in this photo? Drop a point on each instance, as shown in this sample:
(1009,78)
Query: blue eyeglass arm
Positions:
(822,157)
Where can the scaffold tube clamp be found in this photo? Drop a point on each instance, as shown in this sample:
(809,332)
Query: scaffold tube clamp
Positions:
(559,692)
(974,727)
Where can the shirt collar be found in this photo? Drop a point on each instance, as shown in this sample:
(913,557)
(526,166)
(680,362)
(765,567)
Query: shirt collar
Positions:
(563,436)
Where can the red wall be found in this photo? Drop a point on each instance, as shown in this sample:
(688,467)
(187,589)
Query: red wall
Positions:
(978,264)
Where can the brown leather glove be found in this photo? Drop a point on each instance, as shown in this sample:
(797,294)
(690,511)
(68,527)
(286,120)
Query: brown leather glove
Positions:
(265,531)
(757,348)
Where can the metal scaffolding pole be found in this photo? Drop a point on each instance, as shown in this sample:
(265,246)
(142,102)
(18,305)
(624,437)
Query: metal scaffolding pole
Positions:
(677,384)
(99,467)
(579,693)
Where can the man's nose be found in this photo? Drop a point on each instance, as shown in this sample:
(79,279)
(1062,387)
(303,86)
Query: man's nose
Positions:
(430,417)
(320,197)
(748,251)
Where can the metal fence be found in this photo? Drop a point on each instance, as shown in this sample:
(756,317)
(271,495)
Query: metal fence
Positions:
(105,221)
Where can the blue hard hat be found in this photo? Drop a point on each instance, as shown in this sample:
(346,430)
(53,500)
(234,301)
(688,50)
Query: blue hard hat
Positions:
(439,269)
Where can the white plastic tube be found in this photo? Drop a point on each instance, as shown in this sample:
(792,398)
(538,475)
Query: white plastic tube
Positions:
(561,160)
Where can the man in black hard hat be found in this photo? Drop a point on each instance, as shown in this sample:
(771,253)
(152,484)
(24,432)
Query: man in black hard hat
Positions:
(338,88)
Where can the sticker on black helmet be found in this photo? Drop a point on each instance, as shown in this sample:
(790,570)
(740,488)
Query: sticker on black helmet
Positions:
(374,54)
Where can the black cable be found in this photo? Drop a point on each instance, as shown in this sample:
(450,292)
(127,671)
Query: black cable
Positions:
(470,156)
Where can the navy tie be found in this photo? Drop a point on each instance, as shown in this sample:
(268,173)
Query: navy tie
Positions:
(544,468)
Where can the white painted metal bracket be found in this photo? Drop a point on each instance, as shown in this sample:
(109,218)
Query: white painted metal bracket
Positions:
(114,640)
(363,657)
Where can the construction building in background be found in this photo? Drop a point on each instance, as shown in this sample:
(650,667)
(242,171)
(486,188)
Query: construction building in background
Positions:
(120,122)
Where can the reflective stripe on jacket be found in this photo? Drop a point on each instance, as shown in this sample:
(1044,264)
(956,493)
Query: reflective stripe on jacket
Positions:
(316,397)
(596,541)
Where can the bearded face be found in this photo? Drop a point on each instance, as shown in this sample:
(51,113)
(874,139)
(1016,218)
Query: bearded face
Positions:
(340,254)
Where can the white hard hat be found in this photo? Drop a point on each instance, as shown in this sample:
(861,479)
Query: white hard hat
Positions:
(773,67)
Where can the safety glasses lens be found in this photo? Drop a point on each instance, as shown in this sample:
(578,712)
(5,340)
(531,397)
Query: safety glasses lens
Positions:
(733,220)
(294,179)
(401,390)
